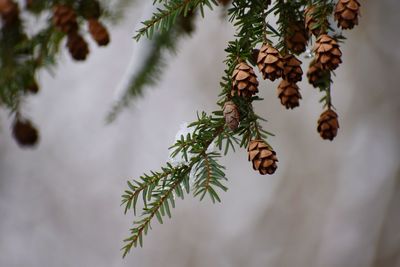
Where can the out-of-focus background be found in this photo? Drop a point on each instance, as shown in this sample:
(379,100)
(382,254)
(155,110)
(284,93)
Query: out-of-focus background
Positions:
(330,204)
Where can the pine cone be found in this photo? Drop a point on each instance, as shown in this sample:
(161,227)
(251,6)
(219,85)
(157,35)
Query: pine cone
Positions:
(346,13)
(64,18)
(289,94)
(25,133)
(33,87)
(262,156)
(328,124)
(231,114)
(297,37)
(244,81)
(77,46)
(310,22)
(270,63)
(327,52)
(316,75)
(9,11)
(292,69)
(99,32)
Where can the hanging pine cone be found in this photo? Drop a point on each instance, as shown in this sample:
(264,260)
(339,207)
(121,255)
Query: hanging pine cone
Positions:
(327,52)
(270,62)
(244,81)
(263,157)
(64,18)
(231,115)
(33,87)
(296,38)
(346,13)
(311,24)
(9,11)
(25,133)
(328,124)
(316,75)
(289,94)
(292,69)
(224,2)
(77,46)
(99,32)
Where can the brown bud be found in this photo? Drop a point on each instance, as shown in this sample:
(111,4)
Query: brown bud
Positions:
(289,94)
(263,157)
(77,46)
(25,133)
(231,114)
(33,87)
(346,13)
(244,81)
(270,62)
(328,124)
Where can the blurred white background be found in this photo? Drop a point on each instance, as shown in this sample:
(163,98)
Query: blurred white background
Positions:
(330,204)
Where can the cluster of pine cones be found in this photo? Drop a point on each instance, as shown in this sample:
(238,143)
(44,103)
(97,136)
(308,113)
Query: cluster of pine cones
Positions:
(65,20)
(274,64)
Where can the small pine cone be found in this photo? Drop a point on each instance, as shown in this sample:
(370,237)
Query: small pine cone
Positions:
(316,75)
(25,133)
(310,22)
(77,46)
(328,124)
(327,52)
(292,69)
(231,114)
(270,62)
(244,81)
(99,32)
(297,37)
(346,13)
(64,18)
(263,157)
(289,94)
(9,11)
(33,87)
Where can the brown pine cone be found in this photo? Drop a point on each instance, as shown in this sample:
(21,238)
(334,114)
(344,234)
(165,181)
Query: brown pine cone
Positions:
(316,75)
(270,62)
(297,37)
(25,133)
(9,11)
(327,52)
(328,124)
(33,87)
(64,18)
(346,13)
(231,114)
(244,81)
(292,69)
(289,94)
(77,46)
(311,24)
(99,32)
(263,157)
